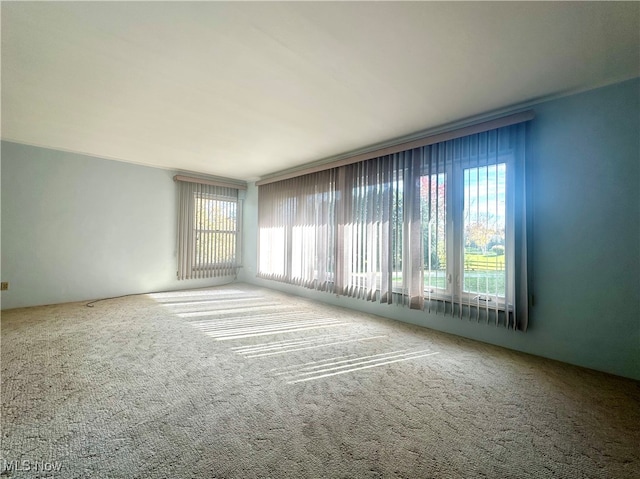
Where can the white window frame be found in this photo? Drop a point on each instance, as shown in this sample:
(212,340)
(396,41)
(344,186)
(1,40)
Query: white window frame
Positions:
(455,248)
(198,265)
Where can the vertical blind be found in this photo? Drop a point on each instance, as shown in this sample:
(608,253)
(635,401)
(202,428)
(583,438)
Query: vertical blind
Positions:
(377,243)
(441,227)
(208,230)
(297,231)
(482,178)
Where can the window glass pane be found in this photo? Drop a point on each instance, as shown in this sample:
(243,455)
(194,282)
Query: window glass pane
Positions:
(484,230)
(215,231)
(272,250)
(434,228)
(397,231)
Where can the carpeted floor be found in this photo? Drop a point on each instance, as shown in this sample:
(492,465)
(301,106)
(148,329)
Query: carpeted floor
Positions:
(243,382)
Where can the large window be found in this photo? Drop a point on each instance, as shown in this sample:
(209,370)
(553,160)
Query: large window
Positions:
(440,227)
(208,230)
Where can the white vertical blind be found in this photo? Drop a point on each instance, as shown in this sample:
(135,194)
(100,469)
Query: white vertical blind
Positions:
(208,230)
(484,241)
(297,231)
(440,227)
(378,241)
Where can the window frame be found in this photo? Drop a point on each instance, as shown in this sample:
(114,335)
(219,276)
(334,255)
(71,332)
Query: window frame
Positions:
(438,292)
(236,232)
(453,172)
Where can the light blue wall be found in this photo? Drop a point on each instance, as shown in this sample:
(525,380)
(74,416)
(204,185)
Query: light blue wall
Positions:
(585,239)
(76,227)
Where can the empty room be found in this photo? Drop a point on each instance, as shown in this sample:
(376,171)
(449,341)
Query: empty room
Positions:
(320,240)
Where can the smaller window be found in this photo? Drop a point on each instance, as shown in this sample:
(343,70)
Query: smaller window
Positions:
(215,231)
(208,231)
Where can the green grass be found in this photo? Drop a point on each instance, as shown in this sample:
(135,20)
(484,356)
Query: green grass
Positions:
(483,275)
(439,281)
(479,262)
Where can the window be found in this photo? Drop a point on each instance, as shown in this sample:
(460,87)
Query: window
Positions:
(208,230)
(433,205)
(481,225)
(472,230)
(440,227)
(484,226)
(297,230)
(215,230)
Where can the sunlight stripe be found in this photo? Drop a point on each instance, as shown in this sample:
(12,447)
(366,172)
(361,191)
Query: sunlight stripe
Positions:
(235,331)
(239,317)
(311,347)
(272,332)
(353,361)
(243,322)
(359,368)
(356,362)
(248,323)
(212,325)
(280,346)
(251,346)
(238,312)
(210,301)
(286,369)
(212,308)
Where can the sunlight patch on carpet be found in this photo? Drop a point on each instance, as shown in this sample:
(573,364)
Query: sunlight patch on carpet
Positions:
(307,344)
(357,365)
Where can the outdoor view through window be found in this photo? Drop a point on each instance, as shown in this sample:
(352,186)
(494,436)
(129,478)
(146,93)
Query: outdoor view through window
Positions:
(484,230)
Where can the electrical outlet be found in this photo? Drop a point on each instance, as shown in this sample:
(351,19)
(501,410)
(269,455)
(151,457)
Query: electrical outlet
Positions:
(4,286)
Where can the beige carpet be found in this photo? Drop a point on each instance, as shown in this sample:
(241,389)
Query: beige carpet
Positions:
(242,382)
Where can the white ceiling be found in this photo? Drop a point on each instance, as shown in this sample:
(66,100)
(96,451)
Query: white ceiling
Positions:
(246,89)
